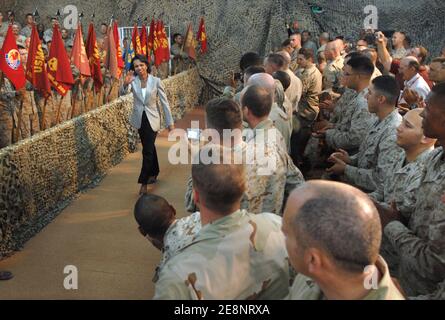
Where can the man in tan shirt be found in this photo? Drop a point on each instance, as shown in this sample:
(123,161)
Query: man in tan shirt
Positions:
(333,234)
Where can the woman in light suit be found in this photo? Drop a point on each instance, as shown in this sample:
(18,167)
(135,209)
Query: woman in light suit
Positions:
(145,116)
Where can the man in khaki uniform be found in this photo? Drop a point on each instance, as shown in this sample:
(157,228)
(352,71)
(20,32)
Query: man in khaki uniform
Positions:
(420,242)
(330,266)
(266,191)
(332,72)
(180,58)
(236,254)
(295,42)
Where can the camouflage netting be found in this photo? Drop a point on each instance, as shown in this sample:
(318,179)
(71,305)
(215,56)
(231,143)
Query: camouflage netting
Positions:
(40,176)
(235,26)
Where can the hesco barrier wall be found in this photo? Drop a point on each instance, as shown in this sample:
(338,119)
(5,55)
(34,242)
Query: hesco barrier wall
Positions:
(40,176)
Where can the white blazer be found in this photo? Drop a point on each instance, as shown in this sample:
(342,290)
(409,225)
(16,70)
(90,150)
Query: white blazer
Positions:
(149,104)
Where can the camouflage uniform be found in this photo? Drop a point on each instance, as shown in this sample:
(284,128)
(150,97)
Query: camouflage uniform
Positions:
(312,84)
(265,193)
(421,244)
(376,155)
(180,59)
(439,294)
(279,114)
(180,234)
(240,256)
(293,66)
(305,288)
(332,72)
(402,183)
(352,120)
(294,92)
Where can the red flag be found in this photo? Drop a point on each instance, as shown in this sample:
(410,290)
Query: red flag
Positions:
(143,38)
(36,72)
(10,61)
(202,36)
(111,58)
(78,54)
(94,58)
(164,43)
(120,59)
(189,43)
(150,41)
(136,40)
(59,67)
(161,50)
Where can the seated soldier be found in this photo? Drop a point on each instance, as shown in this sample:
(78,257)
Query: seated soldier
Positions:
(400,186)
(236,254)
(351,117)
(333,236)
(157,222)
(264,192)
(420,242)
(378,150)
(279,117)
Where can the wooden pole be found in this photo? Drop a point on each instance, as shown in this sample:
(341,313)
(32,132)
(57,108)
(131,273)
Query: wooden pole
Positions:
(58,110)
(43,125)
(17,134)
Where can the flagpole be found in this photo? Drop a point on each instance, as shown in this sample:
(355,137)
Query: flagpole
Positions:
(58,110)
(43,126)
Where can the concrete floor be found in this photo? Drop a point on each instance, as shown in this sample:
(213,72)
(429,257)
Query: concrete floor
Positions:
(98,235)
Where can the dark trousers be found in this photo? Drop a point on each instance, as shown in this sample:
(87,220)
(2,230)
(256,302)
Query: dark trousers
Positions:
(299,140)
(150,164)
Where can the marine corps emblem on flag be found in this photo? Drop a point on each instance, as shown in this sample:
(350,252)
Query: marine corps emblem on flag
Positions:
(52,64)
(13,59)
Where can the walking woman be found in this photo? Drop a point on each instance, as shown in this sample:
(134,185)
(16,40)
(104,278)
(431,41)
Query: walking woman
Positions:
(145,116)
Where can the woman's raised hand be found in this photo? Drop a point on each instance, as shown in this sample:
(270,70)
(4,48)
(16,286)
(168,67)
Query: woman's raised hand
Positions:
(129,77)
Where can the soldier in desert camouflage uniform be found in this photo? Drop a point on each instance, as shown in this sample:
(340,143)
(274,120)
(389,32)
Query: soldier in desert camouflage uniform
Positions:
(315,215)
(420,243)
(266,191)
(379,150)
(236,254)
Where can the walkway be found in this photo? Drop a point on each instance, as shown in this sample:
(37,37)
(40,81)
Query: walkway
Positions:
(97,233)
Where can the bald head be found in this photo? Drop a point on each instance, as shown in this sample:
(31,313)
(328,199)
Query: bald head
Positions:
(333,49)
(263,80)
(338,219)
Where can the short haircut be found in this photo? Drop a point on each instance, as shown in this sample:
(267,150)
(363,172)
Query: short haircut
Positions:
(254,70)
(176,34)
(307,31)
(250,59)
(142,59)
(104,24)
(258,100)
(223,113)
(334,222)
(353,54)
(154,215)
(362,65)
(295,34)
(29,14)
(285,43)
(220,185)
(283,77)
(388,87)
(276,59)
(307,53)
